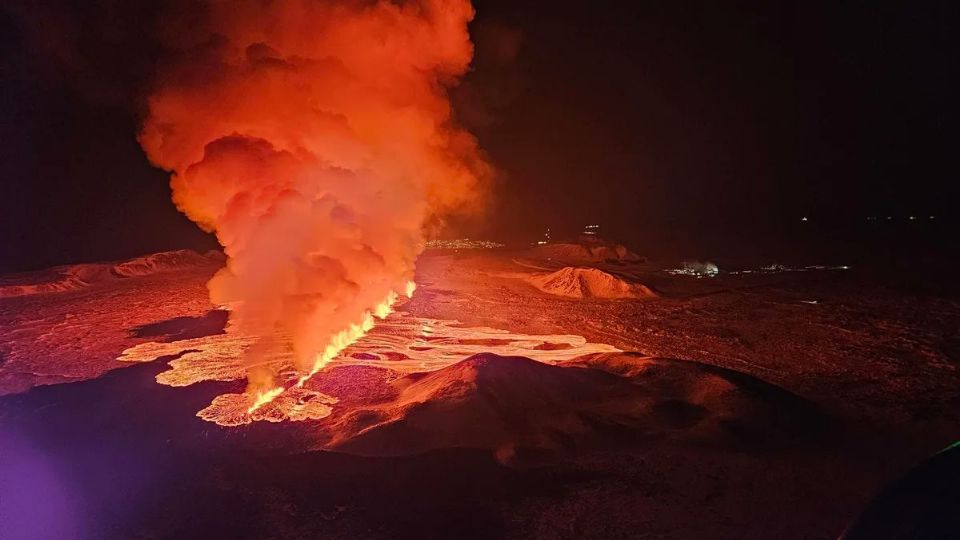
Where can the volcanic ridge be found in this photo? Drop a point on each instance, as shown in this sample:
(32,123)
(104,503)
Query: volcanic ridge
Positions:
(586,282)
(515,404)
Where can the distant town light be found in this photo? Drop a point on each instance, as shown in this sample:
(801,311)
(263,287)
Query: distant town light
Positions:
(695,269)
(462,243)
(779,268)
(913,218)
(804,218)
(932,217)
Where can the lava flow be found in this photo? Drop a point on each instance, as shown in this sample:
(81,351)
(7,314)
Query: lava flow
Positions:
(341,340)
(399,344)
(316,140)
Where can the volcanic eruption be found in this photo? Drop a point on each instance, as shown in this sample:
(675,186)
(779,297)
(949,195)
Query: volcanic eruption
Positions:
(317,141)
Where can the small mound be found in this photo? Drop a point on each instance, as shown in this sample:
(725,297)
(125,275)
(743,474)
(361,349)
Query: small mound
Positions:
(53,280)
(746,409)
(585,253)
(573,282)
(165,261)
(507,404)
(78,276)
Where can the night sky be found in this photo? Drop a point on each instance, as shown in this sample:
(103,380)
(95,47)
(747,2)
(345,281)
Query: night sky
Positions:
(645,117)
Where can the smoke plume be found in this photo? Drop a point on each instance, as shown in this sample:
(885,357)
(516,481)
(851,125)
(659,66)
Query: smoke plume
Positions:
(316,139)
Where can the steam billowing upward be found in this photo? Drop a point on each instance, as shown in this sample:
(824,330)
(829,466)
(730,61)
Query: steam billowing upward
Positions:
(315,139)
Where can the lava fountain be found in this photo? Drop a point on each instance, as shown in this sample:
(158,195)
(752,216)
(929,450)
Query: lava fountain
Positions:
(316,140)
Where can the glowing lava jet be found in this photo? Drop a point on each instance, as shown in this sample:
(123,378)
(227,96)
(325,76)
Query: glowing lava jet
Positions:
(401,344)
(340,341)
(316,140)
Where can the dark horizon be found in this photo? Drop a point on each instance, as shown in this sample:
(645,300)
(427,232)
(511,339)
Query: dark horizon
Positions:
(656,121)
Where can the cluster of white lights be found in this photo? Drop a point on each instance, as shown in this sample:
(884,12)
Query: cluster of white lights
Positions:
(779,268)
(546,238)
(709,270)
(887,218)
(463,243)
(890,218)
(697,270)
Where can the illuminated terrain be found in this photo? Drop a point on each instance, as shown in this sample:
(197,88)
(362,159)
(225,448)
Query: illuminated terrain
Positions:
(493,402)
(401,344)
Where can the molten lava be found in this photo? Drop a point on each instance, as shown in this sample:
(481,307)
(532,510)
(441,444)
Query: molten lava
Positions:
(265,396)
(401,343)
(316,139)
(340,341)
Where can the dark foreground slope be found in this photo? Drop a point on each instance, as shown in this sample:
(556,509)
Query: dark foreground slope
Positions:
(490,447)
(511,404)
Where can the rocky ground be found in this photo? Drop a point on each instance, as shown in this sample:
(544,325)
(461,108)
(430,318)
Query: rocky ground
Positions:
(758,405)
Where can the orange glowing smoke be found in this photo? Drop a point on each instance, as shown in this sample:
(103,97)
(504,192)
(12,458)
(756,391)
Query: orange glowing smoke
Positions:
(316,140)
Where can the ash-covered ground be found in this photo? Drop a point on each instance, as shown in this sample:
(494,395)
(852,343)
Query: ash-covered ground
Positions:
(619,401)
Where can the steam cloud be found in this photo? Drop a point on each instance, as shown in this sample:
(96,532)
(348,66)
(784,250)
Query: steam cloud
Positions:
(316,140)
